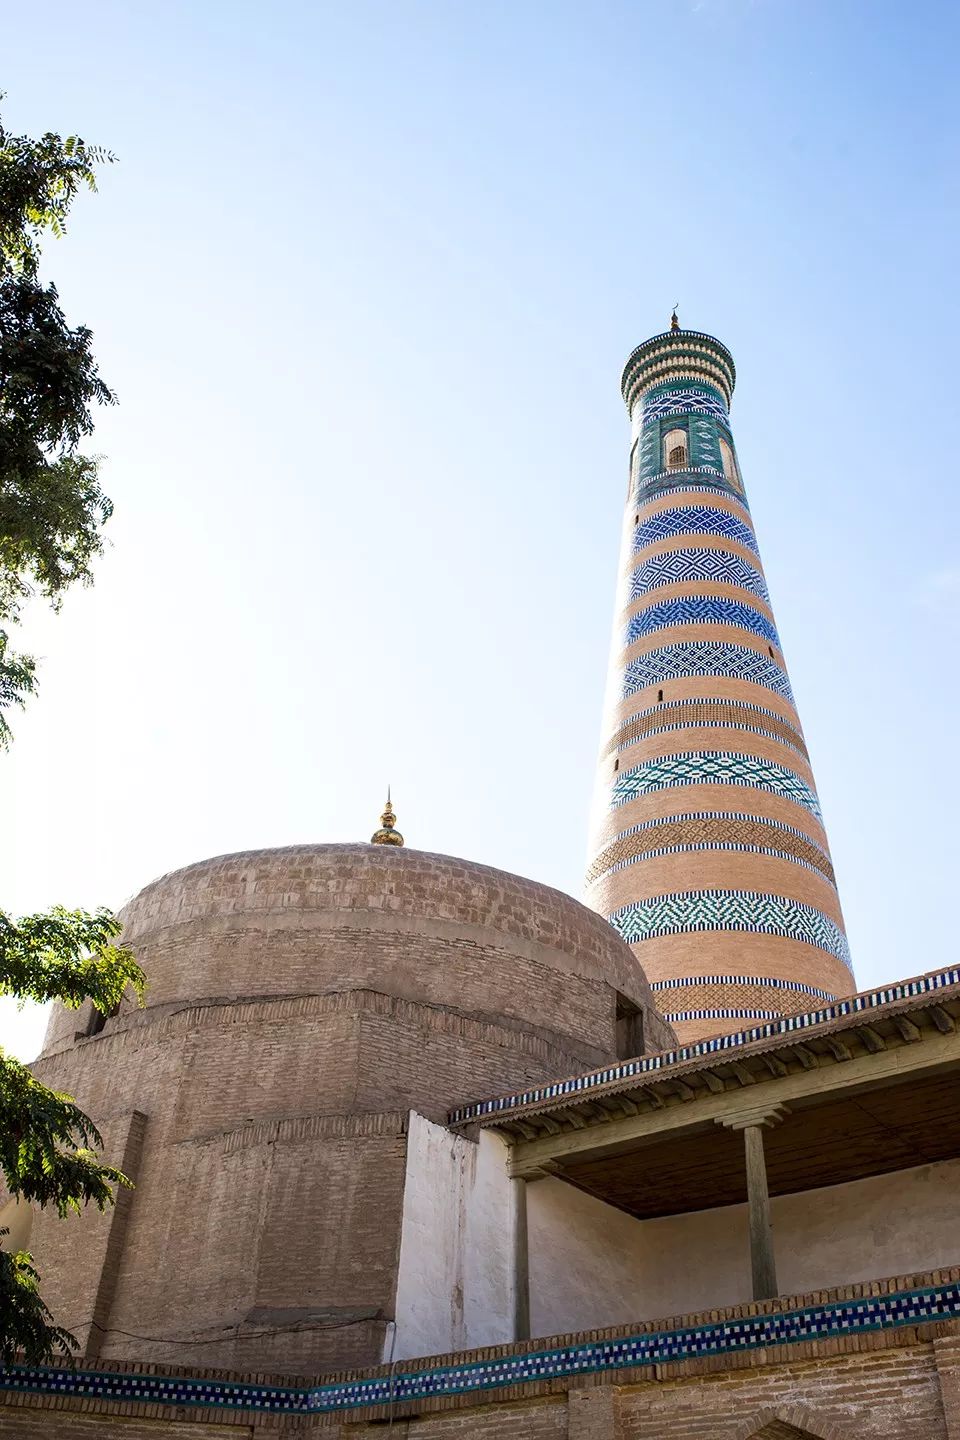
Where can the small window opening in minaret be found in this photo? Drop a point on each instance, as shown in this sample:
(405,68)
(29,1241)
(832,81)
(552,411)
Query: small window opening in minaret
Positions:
(632,465)
(675,450)
(629,1029)
(616,765)
(98,1019)
(659,694)
(770,648)
(729,462)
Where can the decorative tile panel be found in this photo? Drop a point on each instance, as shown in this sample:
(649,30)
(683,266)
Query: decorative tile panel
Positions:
(795,987)
(683,834)
(693,520)
(688,401)
(690,658)
(714,767)
(709,483)
(919,988)
(706,714)
(748,911)
(700,610)
(720,566)
(737,1333)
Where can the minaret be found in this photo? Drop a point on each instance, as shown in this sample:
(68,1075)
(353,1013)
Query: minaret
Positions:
(708,852)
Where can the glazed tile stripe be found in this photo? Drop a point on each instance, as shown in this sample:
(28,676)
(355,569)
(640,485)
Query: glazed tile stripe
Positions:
(700,610)
(713,767)
(768,734)
(684,714)
(682,490)
(728,816)
(691,658)
(683,402)
(652,486)
(701,847)
(674,835)
(676,566)
(924,1305)
(725,1013)
(693,520)
(745,911)
(866,1001)
(795,986)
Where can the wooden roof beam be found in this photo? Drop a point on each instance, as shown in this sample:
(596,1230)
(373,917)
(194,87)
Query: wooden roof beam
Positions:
(837,1048)
(943,1020)
(908,1032)
(871,1039)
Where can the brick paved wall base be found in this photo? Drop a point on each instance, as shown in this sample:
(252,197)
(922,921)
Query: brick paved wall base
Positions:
(898,1383)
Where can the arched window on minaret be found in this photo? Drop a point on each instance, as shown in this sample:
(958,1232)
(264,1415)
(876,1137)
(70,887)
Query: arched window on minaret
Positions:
(675,450)
(729,462)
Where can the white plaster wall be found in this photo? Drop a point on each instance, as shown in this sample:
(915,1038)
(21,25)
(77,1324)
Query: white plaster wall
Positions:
(592,1265)
(455,1275)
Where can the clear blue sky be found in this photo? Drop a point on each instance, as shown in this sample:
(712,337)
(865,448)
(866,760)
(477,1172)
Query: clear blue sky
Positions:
(364,280)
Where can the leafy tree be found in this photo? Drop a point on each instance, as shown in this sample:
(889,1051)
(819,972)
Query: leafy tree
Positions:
(52,508)
(52,511)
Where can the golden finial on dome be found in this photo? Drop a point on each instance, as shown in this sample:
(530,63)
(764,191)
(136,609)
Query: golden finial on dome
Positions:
(387,835)
(674,322)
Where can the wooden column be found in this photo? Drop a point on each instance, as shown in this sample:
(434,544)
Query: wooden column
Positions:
(762,1260)
(521,1263)
(763,1263)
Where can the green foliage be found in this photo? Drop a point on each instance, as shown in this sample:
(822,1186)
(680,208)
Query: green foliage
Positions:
(27,1325)
(52,508)
(66,955)
(46,1141)
(52,511)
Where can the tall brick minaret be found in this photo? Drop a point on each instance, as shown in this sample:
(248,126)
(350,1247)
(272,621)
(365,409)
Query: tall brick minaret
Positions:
(708,851)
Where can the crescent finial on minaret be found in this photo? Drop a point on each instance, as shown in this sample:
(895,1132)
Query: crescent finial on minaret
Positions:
(674,322)
(387,835)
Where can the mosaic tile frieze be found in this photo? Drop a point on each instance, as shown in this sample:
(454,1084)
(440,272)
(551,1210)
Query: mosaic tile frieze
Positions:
(694,658)
(744,911)
(862,1004)
(681,834)
(714,767)
(677,566)
(690,400)
(737,1333)
(706,714)
(794,987)
(700,610)
(709,482)
(733,997)
(679,500)
(693,520)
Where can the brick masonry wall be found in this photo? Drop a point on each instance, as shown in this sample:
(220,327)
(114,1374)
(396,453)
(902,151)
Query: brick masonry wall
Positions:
(300,1003)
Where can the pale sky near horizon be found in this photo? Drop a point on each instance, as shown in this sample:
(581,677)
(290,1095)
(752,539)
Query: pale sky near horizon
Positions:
(364,279)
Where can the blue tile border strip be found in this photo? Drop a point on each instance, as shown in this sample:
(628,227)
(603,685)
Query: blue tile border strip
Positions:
(849,1316)
(692,520)
(684,912)
(712,767)
(675,567)
(692,658)
(866,1001)
(699,610)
